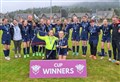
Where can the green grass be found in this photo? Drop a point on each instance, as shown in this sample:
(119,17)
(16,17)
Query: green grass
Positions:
(17,70)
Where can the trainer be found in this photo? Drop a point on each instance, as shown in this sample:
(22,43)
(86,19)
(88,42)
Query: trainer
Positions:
(116,39)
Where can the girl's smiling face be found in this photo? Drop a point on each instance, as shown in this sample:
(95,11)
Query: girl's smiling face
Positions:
(105,22)
(75,19)
(51,33)
(84,18)
(61,34)
(5,21)
(25,23)
(92,24)
(15,22)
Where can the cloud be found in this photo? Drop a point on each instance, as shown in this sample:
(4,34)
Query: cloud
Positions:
(12,5)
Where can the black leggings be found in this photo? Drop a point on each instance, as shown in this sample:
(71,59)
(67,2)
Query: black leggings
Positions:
(116,49)
(93,48)
(34,48)
(17,45)
(50,54)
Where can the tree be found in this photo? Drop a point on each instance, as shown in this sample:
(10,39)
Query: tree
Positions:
(64,13)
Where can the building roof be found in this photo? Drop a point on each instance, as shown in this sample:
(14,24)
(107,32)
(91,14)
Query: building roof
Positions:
(105,14)
(78,14)
(47,15)
(24,16)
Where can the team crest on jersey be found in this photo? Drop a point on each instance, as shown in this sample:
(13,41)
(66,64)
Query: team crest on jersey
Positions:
(3,42)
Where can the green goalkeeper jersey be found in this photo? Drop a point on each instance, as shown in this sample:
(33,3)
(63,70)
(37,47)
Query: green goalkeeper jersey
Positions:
(49,40)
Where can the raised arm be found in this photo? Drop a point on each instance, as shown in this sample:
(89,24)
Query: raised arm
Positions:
(41,37)
(68,27)
(53,25)
(56,38)
(98,29)
(0,27)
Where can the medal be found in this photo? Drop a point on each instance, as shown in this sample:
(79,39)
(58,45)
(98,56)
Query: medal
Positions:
(43,27)
(58,28)
(34,32)
(7,32)
(49,28)
(25,28)
(92,30)
(75,27)
(105,31)
(84,27)
(60,42)
(84,30)
(50,39)
(6,29)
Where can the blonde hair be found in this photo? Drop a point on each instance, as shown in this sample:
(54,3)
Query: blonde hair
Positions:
(61,32)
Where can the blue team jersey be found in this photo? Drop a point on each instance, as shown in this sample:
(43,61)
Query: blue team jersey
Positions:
(85,26)
(49,27)
(76,28)
(26,31)
(63,42)
(43,29)
(34,31)
(67,28)
(34,39)
(6,36)
(75,31)
(106,30)
(30,24)
(58,28)
(94,32)
(42,32)
(6,31)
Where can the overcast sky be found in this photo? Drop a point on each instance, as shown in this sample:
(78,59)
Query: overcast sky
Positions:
(12,5)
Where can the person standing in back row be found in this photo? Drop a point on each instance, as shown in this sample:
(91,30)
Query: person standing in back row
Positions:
(26,38)
(6,37)
(75,36)
(93,39)
(16,36)
(84,34)
(106,37)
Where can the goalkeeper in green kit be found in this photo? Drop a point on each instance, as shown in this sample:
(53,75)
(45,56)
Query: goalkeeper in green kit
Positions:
(50,46)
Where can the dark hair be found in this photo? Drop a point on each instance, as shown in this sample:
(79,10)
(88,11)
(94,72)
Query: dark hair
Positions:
(115,17)
(91,21)
(58,20)
(23,22)
(15,19)
(51,30)
(4,19)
